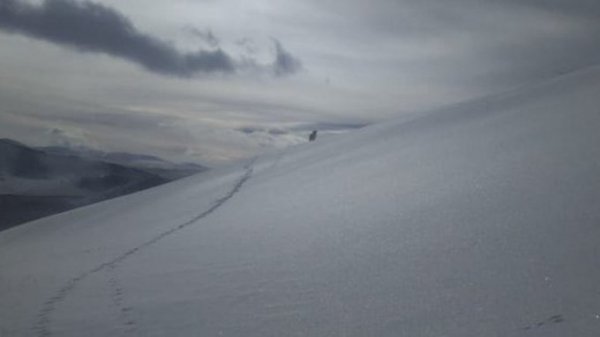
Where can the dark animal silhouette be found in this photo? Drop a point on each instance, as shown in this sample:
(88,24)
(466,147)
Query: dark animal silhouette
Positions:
(313,136)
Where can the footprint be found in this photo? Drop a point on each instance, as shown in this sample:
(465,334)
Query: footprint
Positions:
(556,319)
(44,320)
(552,319)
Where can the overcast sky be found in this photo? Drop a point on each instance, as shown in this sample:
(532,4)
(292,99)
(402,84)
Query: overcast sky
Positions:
(217,80)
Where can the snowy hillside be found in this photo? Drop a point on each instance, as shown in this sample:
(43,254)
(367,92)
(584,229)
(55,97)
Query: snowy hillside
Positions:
(480,219)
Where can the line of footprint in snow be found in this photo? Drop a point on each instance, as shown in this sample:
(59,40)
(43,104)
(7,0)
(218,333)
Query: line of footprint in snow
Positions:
(42,327)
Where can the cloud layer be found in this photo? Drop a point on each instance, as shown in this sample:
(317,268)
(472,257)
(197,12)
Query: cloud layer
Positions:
(365,61)
(91,27)
(285,63)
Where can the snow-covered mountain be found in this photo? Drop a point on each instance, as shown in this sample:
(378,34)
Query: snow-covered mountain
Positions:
(147,163)
(36,182)
(479,219)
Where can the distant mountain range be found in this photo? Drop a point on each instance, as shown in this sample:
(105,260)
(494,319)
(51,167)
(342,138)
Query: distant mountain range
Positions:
(144,162)
(37,182)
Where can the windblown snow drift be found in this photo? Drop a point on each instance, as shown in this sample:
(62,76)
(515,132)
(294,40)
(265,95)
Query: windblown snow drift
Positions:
(480,219)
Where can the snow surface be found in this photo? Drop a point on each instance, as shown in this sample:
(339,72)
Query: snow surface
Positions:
(479,219)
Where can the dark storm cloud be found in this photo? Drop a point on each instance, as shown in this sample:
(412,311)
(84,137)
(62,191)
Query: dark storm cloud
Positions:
(92,27)
(285,63)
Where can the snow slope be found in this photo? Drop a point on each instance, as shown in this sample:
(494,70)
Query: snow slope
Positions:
(480,219)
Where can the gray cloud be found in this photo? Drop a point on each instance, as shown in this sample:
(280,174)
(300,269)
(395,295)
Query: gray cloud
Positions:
(205,35)
(329,126)
(92,27)
(272,131)
(285,63)
(250,130)
(481,45)
(247,45)
(304,127)
(580,8)
(425,18)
